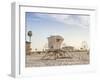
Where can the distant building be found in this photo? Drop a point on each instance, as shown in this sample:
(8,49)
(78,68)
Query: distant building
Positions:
(68,48)
(28,48)
(54,42)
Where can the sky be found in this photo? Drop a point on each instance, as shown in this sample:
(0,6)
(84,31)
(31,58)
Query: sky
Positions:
(73,28)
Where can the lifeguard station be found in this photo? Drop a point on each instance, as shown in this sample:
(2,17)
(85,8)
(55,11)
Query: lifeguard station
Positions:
(54,45)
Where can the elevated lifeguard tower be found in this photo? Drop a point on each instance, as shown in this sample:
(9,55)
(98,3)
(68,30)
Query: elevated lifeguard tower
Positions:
(54,48)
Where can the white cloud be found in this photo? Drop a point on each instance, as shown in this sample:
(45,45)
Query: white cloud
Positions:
(71,20)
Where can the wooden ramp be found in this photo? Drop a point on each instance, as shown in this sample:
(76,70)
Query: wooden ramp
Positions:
(57,54)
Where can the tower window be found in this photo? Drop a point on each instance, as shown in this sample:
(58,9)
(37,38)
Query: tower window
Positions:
(51,46)
(57,40)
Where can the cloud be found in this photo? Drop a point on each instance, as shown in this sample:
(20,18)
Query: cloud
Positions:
(72,20)
(81,21)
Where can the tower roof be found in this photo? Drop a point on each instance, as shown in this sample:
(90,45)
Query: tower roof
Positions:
(56,36)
